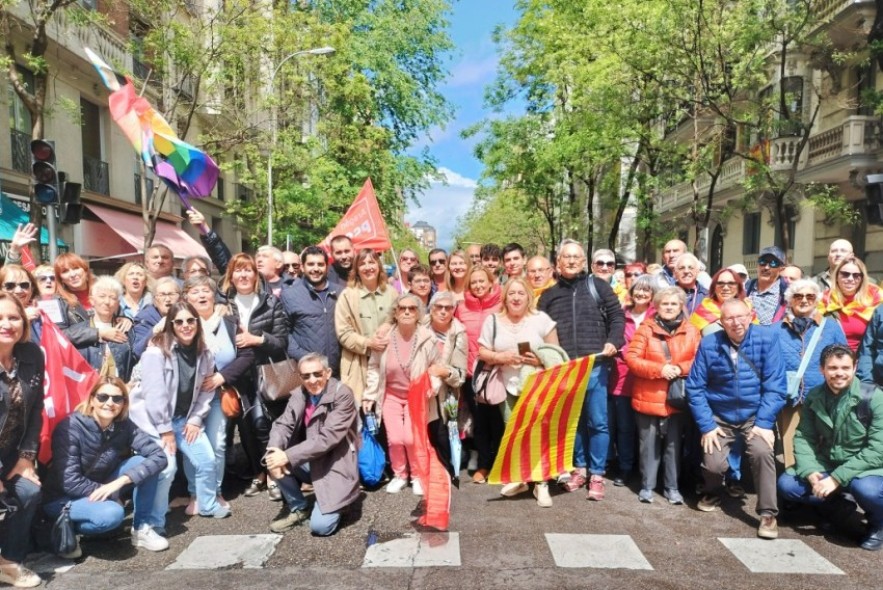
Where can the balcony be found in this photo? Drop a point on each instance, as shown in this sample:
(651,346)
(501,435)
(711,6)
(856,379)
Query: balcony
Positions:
(845,19)
(681,194)
(20,144)
(139,198)
(831,154)
(95,176)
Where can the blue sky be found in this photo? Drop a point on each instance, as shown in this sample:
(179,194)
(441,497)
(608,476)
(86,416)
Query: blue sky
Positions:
(473,66)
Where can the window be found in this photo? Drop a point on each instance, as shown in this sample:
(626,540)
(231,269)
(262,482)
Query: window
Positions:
(751,234)
(20,125)
(866,82)
(220,189)
(791,122)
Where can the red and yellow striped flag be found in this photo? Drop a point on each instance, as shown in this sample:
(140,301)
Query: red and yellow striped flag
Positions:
(539,438)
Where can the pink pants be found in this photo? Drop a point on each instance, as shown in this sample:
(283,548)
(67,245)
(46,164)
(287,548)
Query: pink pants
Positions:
(398,433)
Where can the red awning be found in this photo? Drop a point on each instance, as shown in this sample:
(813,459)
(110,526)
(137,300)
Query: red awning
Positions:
(127,235)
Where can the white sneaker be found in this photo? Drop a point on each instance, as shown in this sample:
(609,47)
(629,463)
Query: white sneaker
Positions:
(396,485)
(416,488)
(541,493)
(473,461)
(149,539)
(513,489)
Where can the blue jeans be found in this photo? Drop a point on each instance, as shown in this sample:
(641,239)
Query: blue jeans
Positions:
(321,524)
(592,431)
(15,532)
(202,457)
(215,425)
(621,425)
(867,491)
(94,518)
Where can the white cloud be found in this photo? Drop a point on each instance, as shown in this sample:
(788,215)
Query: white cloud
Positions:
(472,72)
(442,204)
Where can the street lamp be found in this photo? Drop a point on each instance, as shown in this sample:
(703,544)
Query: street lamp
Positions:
(315,51)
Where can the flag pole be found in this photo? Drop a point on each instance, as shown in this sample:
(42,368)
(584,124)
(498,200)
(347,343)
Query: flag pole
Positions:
(395,261)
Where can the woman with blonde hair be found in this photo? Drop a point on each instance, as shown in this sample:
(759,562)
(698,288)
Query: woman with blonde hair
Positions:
(411,352)
(459,267)
(509,339)
(359,315)
(96,453)
(851,300)
(46,283)
(137,288)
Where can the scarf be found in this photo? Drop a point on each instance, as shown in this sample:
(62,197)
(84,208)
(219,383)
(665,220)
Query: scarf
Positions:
(210,331)
(834,302)
(670,325)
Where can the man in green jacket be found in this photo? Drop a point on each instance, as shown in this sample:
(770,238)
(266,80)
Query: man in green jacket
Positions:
(839,446)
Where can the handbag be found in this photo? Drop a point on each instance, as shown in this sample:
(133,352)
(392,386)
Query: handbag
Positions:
(64,538)
(795,378)
(487,381)
(372,459)
(231,404)
(676,397)
(276,380)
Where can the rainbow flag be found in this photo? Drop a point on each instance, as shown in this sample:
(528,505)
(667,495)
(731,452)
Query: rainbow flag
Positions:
(188,171)
(538,442)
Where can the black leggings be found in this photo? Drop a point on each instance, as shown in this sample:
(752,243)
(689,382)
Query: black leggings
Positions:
(487,427)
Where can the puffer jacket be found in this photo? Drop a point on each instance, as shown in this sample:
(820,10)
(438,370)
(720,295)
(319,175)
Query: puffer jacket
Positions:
(75,324)
(870,351)
(646,358)
(794,344)
(311,317)
(471,313)
(839,444)
(146,319)
(719,388)
(217,250)
(581,327)
(267,320)
(620,381)
(84,457)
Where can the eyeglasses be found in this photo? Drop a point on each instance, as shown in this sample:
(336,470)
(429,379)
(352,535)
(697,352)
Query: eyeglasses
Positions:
(167,295)
(408,308)
(103,398)
(634,275)
(855,276)
(292,265)
(49,278)
(438,261)
(198,271)
(442,307)
(729,284)
(314,375)
(10,286)
(605,263)
(770,262)
(408,259)
(735,319)
(810,297)
(181,321)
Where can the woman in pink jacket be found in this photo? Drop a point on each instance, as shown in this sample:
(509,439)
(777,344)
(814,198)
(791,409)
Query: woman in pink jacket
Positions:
(482,299)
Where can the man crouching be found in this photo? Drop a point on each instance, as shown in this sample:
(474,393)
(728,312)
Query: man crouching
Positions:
(317,431)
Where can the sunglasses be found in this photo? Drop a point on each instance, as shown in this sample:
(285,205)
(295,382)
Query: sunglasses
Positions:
(727,283)
(440,261)
(408,259)
(104,397)
(10,286)
(805,297)
(292,265)
(443,307)
(605,263)
(181,321)
(772,263)
(198,271)
(855,276)
(314,375)
(408,308)
(634,274)
(50,278)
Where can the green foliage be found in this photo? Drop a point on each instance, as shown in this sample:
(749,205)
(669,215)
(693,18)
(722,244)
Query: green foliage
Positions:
(828,201)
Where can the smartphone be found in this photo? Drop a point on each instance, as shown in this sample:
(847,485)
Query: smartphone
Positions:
(524,348)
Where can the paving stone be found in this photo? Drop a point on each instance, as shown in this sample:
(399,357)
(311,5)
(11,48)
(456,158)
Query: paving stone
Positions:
(596,551)
(219,551)
(415,550)
(782,556)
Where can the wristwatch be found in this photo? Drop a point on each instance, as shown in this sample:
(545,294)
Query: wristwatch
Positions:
(29,455)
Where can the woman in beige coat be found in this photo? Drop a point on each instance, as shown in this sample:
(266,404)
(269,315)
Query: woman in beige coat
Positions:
(411,352)
(358,319)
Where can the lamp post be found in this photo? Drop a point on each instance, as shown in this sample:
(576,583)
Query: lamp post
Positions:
(315,51)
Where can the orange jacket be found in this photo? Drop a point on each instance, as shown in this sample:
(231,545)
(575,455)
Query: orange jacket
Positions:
(646,359)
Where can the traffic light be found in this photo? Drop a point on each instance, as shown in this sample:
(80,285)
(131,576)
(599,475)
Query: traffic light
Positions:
(72,208)
(874,194)
(44,172)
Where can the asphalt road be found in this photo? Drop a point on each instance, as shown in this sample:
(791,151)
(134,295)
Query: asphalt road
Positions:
(502,545)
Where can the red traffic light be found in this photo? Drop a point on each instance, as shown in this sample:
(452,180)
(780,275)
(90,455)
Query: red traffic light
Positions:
(43,151)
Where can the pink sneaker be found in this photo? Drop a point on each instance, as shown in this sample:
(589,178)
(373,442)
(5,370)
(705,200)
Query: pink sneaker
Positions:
(576,481)
(596,488)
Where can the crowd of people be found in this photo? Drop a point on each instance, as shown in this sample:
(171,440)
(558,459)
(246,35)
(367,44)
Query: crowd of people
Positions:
(693,373)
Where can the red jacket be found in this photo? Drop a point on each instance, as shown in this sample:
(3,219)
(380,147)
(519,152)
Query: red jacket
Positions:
(620,382)
(645,359)
(472,313)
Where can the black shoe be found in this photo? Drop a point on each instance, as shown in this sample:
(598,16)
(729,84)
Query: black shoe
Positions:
(874,541)
(618,481)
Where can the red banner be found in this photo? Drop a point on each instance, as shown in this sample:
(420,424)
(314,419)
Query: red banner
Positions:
(27,260)
(69,379)
(363,223)
(425,463)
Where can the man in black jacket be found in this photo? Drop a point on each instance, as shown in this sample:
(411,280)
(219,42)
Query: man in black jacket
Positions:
(590,321)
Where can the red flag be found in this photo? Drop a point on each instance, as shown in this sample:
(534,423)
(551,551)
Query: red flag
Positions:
(69,379)
(27,259)
(424,462)
(363,223)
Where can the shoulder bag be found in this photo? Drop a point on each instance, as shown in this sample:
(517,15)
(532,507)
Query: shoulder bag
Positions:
(677,392)
(64,538)
(487,381)
(276,380)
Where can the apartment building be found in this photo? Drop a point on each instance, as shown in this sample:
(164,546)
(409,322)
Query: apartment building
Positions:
(844,147)
(91,148)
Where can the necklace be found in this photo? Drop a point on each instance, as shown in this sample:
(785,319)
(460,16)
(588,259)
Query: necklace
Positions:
(406,367)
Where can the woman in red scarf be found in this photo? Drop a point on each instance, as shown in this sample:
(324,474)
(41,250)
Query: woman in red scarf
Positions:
(725,284)
(851,300)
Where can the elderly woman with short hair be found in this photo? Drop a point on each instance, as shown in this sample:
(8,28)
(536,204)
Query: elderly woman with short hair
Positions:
(411,352)
(803,332)
(104,295)
(150,320)
(137,288)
